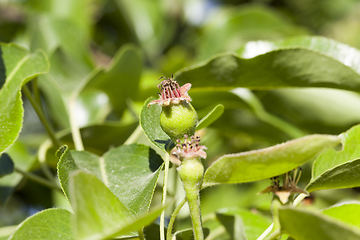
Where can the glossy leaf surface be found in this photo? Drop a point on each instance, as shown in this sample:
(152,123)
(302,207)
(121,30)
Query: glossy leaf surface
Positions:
(232,27)
(268,162)
(298,62)
(17,66)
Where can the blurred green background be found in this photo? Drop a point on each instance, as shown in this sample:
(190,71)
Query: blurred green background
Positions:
(81,37)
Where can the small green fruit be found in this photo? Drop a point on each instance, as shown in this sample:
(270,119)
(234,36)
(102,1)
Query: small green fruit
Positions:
(178,119)
(191,172)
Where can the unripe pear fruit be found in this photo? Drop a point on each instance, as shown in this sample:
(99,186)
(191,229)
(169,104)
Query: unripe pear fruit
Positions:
(178,120)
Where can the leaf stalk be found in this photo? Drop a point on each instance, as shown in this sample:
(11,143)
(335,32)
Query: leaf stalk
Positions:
(49,129)
(38,179)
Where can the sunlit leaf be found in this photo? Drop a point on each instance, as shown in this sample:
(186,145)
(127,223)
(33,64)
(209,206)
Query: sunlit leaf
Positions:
(98,213)
(17,66)
(52,224)
(91,107)
(160,29)
(212,116)
(308,108)
(120,81)
(66,166)
(232,27)
(6,231)
(338,169)
(304,225)
(245,224)
(268,162)
(297,62)
(96,210)
(130,172)
(346,212)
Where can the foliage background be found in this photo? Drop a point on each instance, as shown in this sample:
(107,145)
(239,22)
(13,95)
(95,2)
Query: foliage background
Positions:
(87,40)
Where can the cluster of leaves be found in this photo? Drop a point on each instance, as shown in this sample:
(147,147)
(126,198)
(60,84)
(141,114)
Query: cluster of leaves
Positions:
(249,94)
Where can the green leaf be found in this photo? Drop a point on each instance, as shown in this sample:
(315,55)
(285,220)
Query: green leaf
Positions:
(305,225)
(142,220)
(55,99)
(297,62)
(325,46)
(6,165)
(232,27)
(23,160)
(51,224)
(255,119)
(233,225)
(212,116)
(98,138)
(6,231)
(338,169)
(96,210)
(17,67)
(79,12)
(121,80)
(268,162)
(159,31)
(102,217)
(150,122)
(66,166)
(130,172)
(297,106)
(46,32)
(260,112)
(236,219)
(152,232)
(91,107)
(210,98)
(347,212)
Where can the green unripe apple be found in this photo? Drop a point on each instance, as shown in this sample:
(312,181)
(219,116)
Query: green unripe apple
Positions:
(178,119)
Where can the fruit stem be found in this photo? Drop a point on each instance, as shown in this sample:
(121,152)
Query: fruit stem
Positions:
(191,172)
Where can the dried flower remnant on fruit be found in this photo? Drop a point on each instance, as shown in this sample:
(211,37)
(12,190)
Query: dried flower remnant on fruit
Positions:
(190,148)
(288,188)
(171,93)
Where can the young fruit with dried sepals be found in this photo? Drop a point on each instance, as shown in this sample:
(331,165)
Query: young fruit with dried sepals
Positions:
(178,117)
